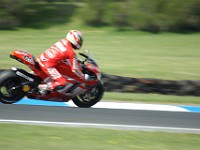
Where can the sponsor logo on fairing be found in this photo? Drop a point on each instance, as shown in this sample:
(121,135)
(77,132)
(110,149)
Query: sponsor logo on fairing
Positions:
(24,76)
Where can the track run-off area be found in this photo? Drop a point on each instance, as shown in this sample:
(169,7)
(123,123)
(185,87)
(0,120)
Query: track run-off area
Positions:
(116,105)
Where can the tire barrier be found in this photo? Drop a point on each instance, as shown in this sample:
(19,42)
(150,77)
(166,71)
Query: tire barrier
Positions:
(115,83)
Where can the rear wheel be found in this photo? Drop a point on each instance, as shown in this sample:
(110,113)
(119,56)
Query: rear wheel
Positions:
(90,97)
(8,92)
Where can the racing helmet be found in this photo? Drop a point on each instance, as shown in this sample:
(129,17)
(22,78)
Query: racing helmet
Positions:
(75,37)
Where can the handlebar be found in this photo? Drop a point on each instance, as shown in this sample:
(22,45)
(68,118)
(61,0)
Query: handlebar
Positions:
(87,58)
(82,54)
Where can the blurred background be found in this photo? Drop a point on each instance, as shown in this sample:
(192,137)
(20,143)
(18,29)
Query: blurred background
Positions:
(153,16)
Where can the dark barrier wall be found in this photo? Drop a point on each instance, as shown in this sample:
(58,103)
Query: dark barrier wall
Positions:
(115,83)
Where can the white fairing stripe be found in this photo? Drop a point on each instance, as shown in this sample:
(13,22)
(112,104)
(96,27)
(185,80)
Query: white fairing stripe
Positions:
(54,73)
(76,69)
(40,63)
(43,58)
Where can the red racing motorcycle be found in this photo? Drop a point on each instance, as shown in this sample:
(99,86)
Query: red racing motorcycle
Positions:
(16,83)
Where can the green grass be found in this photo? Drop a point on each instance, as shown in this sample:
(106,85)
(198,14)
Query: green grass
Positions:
(152,98)
(135,54)
(27,137)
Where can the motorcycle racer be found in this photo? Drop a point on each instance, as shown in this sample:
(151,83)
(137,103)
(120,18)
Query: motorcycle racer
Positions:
(63,52)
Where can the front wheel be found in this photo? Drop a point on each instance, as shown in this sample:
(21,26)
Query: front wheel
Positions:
(8,93)
(90,97)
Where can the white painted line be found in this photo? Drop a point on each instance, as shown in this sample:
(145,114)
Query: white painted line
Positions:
(95,125)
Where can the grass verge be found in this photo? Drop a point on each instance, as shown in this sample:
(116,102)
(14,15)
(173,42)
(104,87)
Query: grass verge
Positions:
(28,137)
(152,98)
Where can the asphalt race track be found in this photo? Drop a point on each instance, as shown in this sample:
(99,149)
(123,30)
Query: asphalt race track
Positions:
(128,119)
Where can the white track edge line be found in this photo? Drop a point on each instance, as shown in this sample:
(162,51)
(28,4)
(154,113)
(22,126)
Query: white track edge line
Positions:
(102,125)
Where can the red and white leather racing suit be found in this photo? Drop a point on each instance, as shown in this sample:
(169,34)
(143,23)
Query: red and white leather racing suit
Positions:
(50,61)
